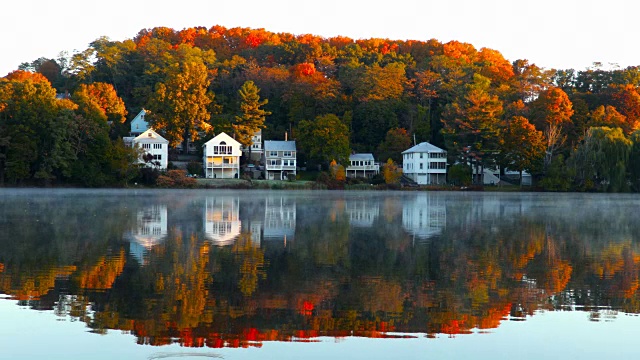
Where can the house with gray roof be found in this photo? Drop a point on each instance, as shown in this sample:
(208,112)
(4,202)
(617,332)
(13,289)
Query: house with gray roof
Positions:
(280,159)
(425,164)
(362,165)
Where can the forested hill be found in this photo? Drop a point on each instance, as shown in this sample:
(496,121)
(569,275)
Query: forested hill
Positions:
(373,95)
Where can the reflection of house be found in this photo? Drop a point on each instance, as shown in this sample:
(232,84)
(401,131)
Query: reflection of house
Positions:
(279,218)
(425,216)
(154,148)
(151,229)
(362,165)
(222,219)
(221,157)
(425,164)
(362,213)
(280,159)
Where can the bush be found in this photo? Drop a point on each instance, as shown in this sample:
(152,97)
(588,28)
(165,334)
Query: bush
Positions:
(175,179)
(460,175)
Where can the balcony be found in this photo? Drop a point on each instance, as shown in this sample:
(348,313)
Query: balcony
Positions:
(280,167)
(220,165)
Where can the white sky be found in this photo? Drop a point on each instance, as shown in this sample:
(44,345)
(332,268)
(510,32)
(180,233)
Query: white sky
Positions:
(550,33)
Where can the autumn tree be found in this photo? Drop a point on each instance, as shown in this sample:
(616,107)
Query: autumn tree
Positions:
(471,123)
(522,146)
(179,106)
(99,101)
(550,112)
(391,173)
(324,139)
(252,116)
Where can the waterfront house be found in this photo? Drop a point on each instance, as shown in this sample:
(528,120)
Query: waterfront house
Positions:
(139,124)
(280,159)
(362,165)
(256,149)
(221,157)
(154,149)
(425,164)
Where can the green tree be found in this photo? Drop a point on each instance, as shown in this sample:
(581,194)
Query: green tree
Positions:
(396,141)
(179,108)
(253,115)
(601,160)
(324,139)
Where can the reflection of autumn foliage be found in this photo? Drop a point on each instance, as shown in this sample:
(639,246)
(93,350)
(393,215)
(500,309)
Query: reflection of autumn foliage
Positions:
(251,259)
(103,274)
(618,268)
(31,286)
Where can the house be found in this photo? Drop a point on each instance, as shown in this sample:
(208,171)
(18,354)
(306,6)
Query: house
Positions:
(362,165)
(150,230)
(139,124)
(256,147)
(280,159)
(221,157)
(155,149)
(425,164)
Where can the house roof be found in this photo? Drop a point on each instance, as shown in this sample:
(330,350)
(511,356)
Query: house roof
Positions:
(150,136)
(222,137)
(276,145)
(423,147)
(358,157)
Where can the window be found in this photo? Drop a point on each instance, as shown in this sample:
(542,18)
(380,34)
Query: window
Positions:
(420,164)
(146,146)
(157,146)
(420,155)
(157,157)
(287,154)
(273,153)
(273,162)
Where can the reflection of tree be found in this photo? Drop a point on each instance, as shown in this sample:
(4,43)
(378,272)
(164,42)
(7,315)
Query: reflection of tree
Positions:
(487,263)
(251,260)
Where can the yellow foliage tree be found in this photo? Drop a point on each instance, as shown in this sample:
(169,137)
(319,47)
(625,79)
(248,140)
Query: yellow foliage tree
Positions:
(337,171)
(391,173)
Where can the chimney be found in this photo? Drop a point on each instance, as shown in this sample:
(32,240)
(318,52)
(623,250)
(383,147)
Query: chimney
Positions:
(286,138)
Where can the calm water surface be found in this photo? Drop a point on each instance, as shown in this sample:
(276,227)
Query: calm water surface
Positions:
(130,274)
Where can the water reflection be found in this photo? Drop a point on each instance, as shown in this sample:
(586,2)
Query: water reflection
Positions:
(225,268)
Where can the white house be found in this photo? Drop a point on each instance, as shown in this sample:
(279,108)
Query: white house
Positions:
(151,229)
(362,165)
(153,145)
(425,164)
(280,159)
(221,157)
(139,124)
(256,146)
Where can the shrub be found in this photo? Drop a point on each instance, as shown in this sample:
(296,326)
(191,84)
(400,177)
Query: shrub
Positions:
(175,179)
(195,168)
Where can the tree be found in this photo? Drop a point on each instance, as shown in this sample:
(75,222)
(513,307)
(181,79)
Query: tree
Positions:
(99,101)
(471,123)
(324,139)
(391,173)
(396,141)
(337,171)
(523,146)
(36,129)
(601,160)
(179,106)
(550,112)
(253,115)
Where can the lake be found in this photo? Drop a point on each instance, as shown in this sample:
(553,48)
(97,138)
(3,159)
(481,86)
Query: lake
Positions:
(148,274)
